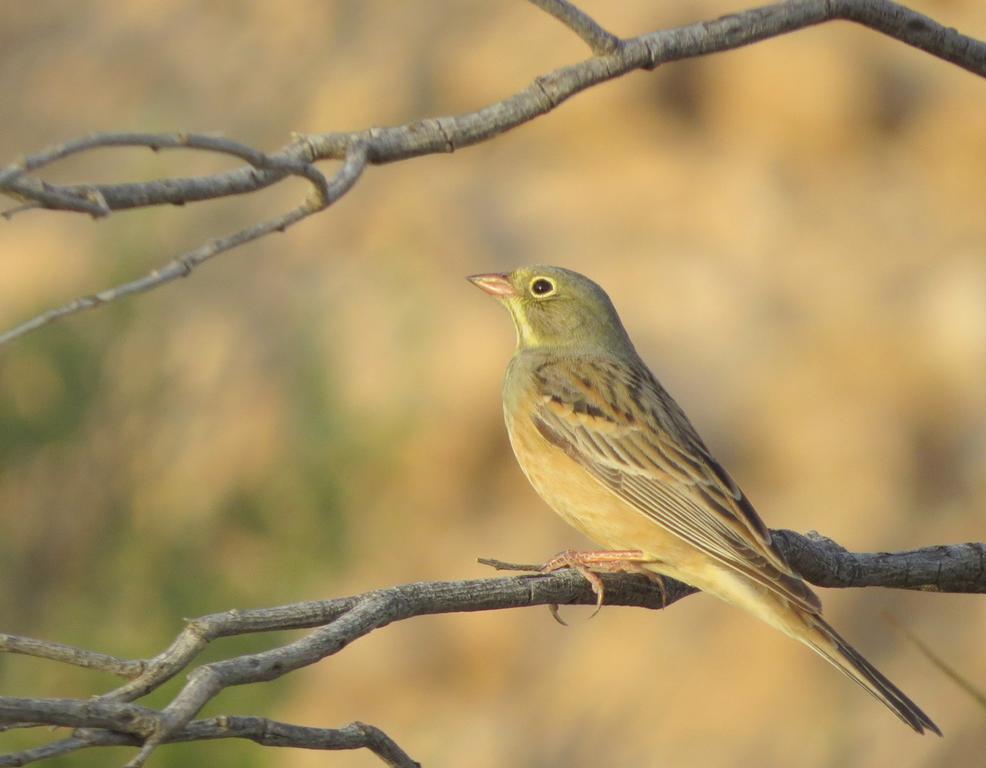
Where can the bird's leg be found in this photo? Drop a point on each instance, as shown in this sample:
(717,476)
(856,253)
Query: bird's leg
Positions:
(590,564)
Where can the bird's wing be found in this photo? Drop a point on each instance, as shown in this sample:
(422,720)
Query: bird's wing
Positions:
(619,424)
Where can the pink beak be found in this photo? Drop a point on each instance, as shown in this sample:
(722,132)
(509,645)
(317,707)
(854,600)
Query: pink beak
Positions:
(496,284)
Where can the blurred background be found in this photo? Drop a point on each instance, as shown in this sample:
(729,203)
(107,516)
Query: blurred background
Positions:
(793,233)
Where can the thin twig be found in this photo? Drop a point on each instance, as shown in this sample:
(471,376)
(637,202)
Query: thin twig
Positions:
(80,199)
(69,654)
(326,193)
(152,141)
(599,40)
(52,749)
(944,667)
(9,213)
(268,733)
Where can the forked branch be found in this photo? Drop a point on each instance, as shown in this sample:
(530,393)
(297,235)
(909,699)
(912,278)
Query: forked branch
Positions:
(113,720)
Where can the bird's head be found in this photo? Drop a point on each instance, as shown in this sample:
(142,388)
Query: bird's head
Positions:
(556,308)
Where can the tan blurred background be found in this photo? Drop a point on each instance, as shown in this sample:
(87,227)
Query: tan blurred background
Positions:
(794,234)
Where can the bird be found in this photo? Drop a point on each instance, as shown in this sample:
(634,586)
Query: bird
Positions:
(606,446)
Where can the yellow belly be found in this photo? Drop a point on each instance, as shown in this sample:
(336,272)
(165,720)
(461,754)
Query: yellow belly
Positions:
(591,508)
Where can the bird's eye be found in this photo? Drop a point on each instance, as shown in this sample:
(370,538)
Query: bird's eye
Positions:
(542,286)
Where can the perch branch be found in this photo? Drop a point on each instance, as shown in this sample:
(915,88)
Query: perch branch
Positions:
(612,58)
(113,720)
(945,568)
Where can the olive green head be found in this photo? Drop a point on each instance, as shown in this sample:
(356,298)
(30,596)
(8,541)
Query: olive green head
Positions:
(554,307)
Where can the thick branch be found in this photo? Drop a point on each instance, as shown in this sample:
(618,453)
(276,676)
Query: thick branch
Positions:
(946,568)
(613,58)
(112,720)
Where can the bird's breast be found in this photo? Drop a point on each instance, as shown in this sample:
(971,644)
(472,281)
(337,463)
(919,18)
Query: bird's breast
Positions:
(586,504)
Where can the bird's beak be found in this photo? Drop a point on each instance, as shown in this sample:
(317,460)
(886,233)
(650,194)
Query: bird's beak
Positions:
(496,284)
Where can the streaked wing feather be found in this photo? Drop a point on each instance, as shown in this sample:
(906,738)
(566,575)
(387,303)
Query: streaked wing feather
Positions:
(621,426)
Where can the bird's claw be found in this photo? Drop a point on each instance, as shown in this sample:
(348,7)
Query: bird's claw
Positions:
(553,609)
(587,563)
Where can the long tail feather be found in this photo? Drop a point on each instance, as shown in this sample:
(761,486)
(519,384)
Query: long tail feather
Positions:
(833,648)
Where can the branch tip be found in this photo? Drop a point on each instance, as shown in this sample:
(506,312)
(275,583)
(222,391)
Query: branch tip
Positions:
(600,41)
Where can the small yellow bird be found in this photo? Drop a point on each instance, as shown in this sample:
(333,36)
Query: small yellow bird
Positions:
(609,449)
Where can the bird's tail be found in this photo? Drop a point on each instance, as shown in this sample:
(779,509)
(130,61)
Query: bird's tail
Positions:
(825,641)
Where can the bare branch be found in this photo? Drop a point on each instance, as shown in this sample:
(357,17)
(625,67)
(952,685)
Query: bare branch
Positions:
(613,58)
(69,654)
(269,733)
(111,719)
(53,749)
(946,568)
(39,194)
(325,194)
(155,142)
